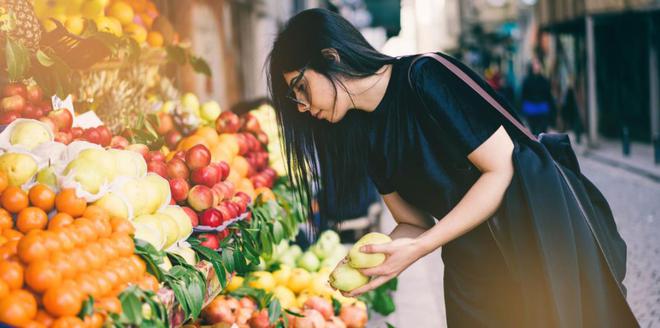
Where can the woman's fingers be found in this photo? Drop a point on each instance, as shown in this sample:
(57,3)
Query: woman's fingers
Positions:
(379,270)
(373,284)
(377,248)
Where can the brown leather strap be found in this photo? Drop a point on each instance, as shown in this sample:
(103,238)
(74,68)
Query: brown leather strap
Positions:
(477,88)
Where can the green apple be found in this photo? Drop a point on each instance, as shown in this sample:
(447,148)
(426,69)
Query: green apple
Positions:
(103,160)
(170,228)
(360,260)
(128,163)
(115,206)
(346,278)
(186,252)
(330,237)
(181,218)
(210,111)
(190,103)
(47,176)
(288,260)
(294,251)
(86,172)
(18,167)
(309,261)
(29,134)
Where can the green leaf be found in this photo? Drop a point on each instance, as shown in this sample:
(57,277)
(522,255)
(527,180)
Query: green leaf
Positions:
(228,259)
(266,241)
(389,325)
(295,314)
(18,60)
(200,65)
(44,59)
(87,308)
(274,311)
(176,54)
(212,256)
(131,308)
(278,232)
(336,306)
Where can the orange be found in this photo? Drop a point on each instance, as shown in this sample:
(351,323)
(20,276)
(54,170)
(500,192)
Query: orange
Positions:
(78,260)
(108,304)
(18,308)
(42,196)
(12,234)
(62,264)
(6,222)
(12,274)
(85,227)
(60,220)
(67,201)
(155,39)
(122,226)
(51,240)
(138,264)
(63,239)
(5,253)
(62,300)
(96,257)
(209,134)
(68,322)
(32,248)
(44,318)
(188,142)
(4,289)
(3,181)
(122,11)
(31,218)
(112,277)
(94,212)
(72,232)
(103,286)
(123,273)
(41,276)
(11,246)
(87,285)
(108,248)
(94,321)
(34,324)
(240,165)
(14,199)
(123,244)
(149,282)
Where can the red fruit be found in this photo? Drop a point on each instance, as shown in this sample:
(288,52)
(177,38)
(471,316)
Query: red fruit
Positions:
(48,122)
(231,189)
(76,132)
(226,211)
(244,197)
(179,188)
(8,117)
(260,320)
(259,181)
(165,123)
(105,135)
(34,93)
(217,196)
(63,137)
(154,155)
(227,122)
(243,146)
(246,302)
(242,205)
(223,234)
(218,311)
(251,124)
(209,240)
(176,168)
(172,138)
(157,167)
(31,111)
(180,155)
(13,103)
(45,106)
(320,304)
(262,137)
(310,319)
(353,316)
(13,89)
(194,219)
(200,198)
(225,169)
(211,218)
(138,148)
(231,211)
(206,175)
(198,156)
(62,119)
(220,190)
(118,142)
(91,135)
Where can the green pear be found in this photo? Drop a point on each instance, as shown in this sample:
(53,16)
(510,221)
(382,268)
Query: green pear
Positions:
(210,111)
(30,134)
(18,167)
(150,231)
(136,195)
(86,173)
(309,261)
(181,218)
(103,160)
(345,278)
(47,176)
(190,103)
(114,205)
(361,260)
(128,163)
(170,228)
(158,190)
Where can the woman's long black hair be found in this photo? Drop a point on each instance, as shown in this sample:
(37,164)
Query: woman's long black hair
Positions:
(327,158)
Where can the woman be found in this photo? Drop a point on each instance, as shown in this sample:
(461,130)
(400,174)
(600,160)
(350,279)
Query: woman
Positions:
(516,252)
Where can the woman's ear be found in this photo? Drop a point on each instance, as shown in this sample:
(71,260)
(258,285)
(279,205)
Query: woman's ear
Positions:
(330,54)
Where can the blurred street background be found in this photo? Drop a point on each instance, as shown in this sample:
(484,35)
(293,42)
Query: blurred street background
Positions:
(588,67)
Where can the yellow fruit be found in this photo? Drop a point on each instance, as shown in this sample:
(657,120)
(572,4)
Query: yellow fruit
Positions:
(48,24)
(263,280)
(75,24)
(73,7)
(137,32)
(360,260)
(122,12)
(346,278)
(299,280)
(92,8)
(109,25)
(286,297)
(282,275)
(301,299)
(155,39)
(235,283)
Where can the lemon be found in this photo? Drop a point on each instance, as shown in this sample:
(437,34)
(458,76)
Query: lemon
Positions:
(263,280)
(75,24)
(299,280)
(137,32)
(122,11)
(235,283)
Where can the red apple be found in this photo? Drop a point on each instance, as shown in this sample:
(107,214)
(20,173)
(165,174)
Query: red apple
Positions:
(13,89)
(242,205)
(245,197)
(30,111)
(200,197)
(262,137)
(225,169)
(233,209)
(320,304)
(206,175)
(353,316)
(243,146)
(76,132)
(45,106)
(138,148)
(218,311)
(227,122)
(165,123)
(248,303)
(194,219)
(13,103)
(118,142)
(179,188)
(63,137)
(220,190)
(259,181)
(176,168)
(260,320)
(105,135)
(223,234)
(48,122)
(226,211)
(197,157)
(310,319)
(211,218)
(251,123)
(34,93)
(154,155)
(157,167)
(92,135)
(62,119)
(172,138)
(231,189)
(209,240)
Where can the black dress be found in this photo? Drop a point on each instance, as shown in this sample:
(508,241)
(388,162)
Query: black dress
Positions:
(539,266)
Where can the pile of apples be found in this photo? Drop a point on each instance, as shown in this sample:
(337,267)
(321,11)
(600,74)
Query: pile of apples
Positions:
(23,101)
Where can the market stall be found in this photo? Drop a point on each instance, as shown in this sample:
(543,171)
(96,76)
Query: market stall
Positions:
(126,202)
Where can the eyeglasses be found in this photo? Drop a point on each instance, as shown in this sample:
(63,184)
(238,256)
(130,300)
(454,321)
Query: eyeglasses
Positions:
(302,98)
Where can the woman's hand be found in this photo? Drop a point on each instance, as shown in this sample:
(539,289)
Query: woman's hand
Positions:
(400,254)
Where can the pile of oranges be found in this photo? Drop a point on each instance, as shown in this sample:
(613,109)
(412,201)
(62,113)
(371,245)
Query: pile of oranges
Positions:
(49,267)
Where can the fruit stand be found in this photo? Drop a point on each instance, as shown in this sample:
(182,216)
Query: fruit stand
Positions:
(125,202)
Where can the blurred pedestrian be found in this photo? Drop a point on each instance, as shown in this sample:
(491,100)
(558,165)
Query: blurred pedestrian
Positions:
(570,113)
(538,105)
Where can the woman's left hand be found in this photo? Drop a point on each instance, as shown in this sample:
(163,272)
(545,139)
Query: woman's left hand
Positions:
(400,254)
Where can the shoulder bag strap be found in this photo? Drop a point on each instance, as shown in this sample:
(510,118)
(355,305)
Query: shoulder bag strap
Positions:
(477,88)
